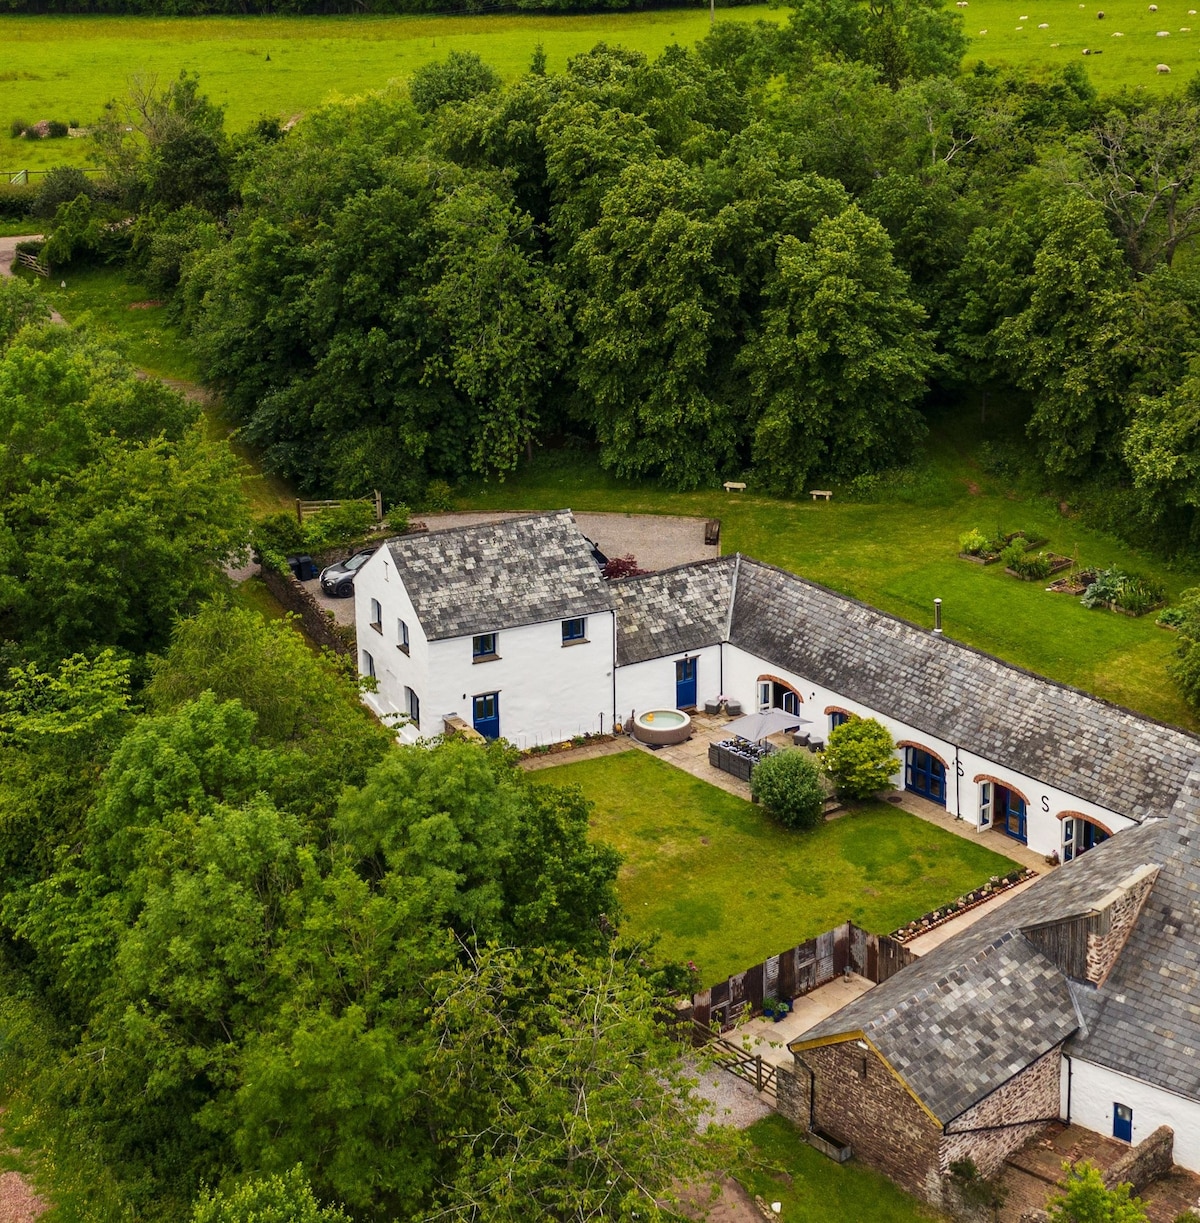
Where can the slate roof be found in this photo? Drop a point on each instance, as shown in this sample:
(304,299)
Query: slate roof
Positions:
(499,575)
(1145,1019)
(967,1016)
(674,610)
(1058,735)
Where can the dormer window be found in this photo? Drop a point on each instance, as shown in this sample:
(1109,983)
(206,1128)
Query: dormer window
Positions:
(483,647)
(574,630)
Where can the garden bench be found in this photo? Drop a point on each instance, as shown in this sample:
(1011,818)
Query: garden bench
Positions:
(824,493)
(734,486)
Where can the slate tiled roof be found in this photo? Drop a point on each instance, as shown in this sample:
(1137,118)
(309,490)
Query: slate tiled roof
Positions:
(1144,1020)
(674,610)
(966,1017)
(499,575)
(1061,736)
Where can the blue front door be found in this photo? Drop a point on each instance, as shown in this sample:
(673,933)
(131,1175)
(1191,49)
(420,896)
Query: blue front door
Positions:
(685,683)
(925,775)
(1123,1122)
(1011,813)
(486,715)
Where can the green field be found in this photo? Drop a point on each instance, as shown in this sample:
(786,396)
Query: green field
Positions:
(726,886)
(68,67)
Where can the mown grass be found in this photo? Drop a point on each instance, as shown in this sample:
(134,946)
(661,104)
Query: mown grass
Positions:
(781,1167)
(726,886)
(68,68)
(899,553)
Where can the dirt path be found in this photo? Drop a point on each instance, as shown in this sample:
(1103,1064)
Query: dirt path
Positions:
(18,1202)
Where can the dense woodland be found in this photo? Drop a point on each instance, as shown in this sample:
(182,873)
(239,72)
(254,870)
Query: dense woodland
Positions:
(771,255)
(257,962)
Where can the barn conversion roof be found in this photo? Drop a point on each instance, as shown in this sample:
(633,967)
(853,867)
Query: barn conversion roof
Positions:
(1058,735)
(674,610)
(970,1014)
(498,575)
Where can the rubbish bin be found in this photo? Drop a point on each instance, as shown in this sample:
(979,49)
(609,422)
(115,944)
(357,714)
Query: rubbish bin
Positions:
(293,563)
(306,568)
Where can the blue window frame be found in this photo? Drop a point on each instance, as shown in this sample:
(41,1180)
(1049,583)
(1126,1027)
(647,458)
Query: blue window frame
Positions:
(1009,813)
(485,714)
(838,718)
(925,774)
(685,683)
(574,630)
(483,646)
(1080,835)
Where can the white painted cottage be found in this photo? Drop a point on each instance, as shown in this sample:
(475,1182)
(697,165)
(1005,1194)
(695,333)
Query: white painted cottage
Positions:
(510,627)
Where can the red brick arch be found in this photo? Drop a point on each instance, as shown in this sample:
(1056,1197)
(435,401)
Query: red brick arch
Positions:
(778,679)
(922,748)
(838,709)
(1091,819)
(999,781)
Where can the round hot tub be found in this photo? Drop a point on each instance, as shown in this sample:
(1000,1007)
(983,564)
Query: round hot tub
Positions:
(662,726)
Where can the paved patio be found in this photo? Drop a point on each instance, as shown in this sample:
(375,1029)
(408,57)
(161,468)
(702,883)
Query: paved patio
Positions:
(770,1040)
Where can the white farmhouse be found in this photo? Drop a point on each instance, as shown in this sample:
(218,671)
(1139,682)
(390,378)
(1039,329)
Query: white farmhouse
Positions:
(510,627)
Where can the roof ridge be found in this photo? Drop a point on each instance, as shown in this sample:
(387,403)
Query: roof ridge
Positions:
(485,521)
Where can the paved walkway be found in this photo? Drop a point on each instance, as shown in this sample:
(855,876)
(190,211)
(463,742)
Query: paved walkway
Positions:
(770,1040)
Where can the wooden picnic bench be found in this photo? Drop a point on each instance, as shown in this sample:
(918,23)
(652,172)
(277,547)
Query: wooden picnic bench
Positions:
(732,486)
(824,493)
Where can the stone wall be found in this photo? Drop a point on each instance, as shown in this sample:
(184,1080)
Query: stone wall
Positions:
(860,1101)
(792,1094)
(1003,1121)
(1109,928)
(1149,1161)
(319,624)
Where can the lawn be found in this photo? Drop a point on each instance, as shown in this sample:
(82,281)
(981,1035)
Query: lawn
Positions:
(899,552)
(68,67)
(726,886)
(781,1167)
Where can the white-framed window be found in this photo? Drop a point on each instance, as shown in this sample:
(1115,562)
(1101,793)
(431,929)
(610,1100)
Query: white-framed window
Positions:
(402,635)
(764,695)
(368,664)
(985,804)
(376,616)
(413,706)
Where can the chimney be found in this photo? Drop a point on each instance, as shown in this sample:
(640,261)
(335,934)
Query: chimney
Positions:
(937,617)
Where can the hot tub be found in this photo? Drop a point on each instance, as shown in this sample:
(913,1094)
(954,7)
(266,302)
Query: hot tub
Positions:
(662,726)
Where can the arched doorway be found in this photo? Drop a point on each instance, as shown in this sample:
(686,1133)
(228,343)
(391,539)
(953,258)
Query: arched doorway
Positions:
(776,693)
(1080,833)
(924,773)
(1003,807)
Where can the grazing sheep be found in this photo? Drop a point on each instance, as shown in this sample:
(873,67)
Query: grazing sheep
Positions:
(1044,26)
(1154,8)
(1163,34)
(983,31)
(1162,68)
(1185,29)
(1087,51)
(1022,18)
(1056,44)
(1100,15)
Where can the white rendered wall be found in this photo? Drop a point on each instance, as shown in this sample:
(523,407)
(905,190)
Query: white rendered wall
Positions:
(1044,803)
(651,685)
(548,691)
(1094,1090)
(394,669)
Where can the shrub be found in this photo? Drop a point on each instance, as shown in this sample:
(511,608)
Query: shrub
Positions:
(1086,1199)
(279,533)
(56,129)
(20,304)
(859,758)
(338,525)
(617,567)
(1173,617)
(460,76)
(973,542)
(1013,554)
(62,185)
(788,784)
(439,497)
(15,201)
(398,518)
(16,129)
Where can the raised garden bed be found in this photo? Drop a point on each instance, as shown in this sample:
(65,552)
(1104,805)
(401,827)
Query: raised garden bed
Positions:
(964,904)
(1073,583)
(1057,565)
(993,552)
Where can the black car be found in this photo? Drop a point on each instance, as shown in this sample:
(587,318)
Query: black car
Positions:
(338,580)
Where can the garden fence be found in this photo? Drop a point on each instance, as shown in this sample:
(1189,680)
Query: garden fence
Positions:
(305,509)
(794,973)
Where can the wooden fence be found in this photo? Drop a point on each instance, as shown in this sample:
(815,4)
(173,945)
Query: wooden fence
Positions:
(749,1067)
(796,972)
(306,509)
(20,178)
(26,260)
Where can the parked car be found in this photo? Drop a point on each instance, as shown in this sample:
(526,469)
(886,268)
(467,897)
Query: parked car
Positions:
(338,580)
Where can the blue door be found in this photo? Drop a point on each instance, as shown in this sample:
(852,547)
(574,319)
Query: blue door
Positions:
(486,715)
(685,683)
(1011,813)
(1123,1122)
(925,775)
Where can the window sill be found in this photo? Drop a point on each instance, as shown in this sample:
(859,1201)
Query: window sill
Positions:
(486,658)
(576,641)
(378,628)
(402,647)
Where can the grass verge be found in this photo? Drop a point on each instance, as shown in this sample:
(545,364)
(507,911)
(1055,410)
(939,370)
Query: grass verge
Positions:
(781,1167)
(726,886)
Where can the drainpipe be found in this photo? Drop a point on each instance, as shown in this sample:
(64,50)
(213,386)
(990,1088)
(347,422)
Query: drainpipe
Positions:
(1070,1075)
(957,794)
(812,1096)
(613,613)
